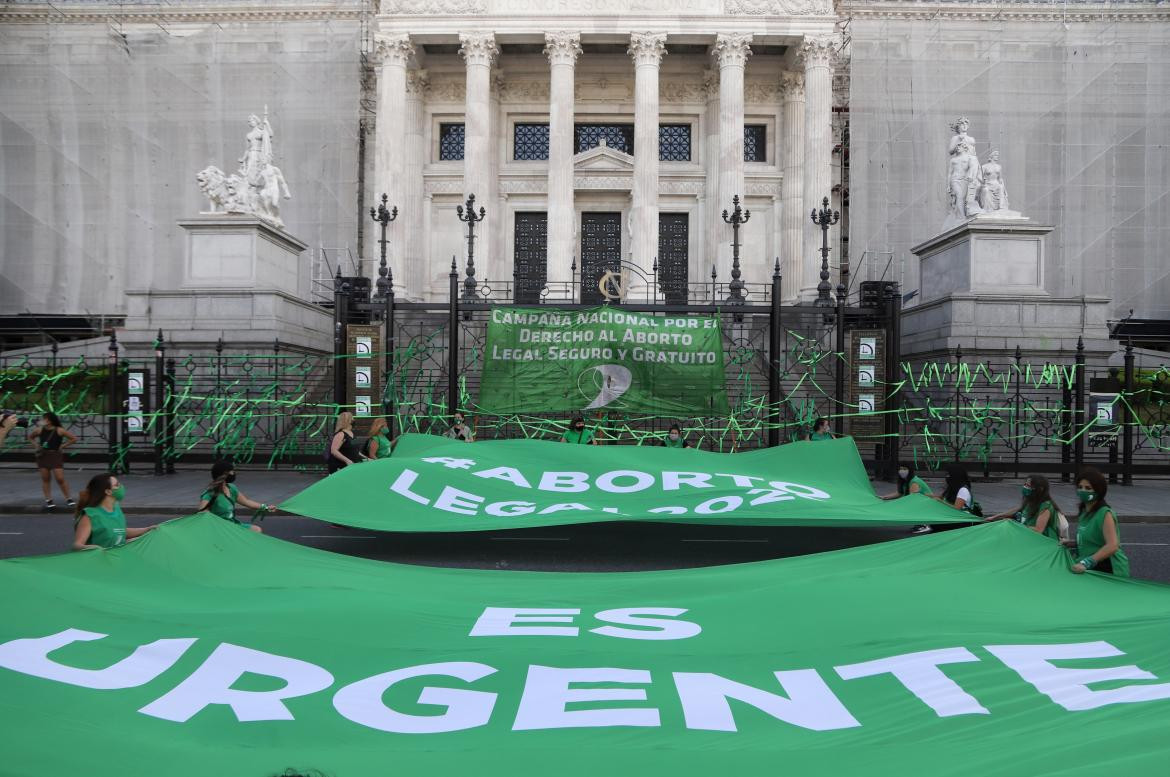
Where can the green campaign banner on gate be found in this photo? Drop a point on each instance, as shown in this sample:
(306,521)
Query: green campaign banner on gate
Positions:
(203,650)
(564,361)
(437,484)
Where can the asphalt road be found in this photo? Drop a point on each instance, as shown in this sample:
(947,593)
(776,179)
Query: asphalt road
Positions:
(588,548)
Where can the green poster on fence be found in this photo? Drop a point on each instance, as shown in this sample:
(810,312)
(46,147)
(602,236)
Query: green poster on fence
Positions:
(205,650)
(548,360)
(437,484)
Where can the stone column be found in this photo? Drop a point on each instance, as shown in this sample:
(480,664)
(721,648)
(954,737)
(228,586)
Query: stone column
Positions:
(412,264)
(817,54)
(479,52)
(562,49)
(731,50)
(647,50)
(711,220)
(793,214)
(393,53)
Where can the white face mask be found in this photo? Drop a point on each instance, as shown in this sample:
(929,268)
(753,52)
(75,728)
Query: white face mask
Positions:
(674,435)
(903,473)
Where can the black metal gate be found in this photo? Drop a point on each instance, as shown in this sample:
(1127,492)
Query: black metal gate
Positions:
(531,251)
(601,252)
(673,240)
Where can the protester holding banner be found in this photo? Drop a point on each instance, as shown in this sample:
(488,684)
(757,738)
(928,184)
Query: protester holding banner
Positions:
(578,434)
(820,430)
(378,445)
(957,494)
(1037,511)
(99,522)
(221,496)
(909,483)
(1098,533)
(342,451)
(49,439)
(674,438)
(459,429)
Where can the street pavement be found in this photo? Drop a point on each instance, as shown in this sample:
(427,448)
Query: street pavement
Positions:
(25,530)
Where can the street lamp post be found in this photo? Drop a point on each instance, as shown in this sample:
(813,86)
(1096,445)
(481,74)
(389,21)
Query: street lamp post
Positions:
(384,216)
(470,218)
(737,218)
(825,218)
(157,422)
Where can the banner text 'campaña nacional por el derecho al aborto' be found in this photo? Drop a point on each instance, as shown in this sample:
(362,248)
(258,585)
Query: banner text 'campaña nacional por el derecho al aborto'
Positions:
(544,360)
(203,649)
(437,484)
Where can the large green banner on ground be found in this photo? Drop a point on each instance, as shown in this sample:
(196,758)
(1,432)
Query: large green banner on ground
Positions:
(437,484)
(550,360)
(206,650)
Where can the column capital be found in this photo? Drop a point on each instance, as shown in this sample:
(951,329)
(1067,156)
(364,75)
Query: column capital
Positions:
(647,48)
(562,48)
(817,51)
(711,83)
(791,85)
(732,49)
(416,83)
(478,48)
(393,49)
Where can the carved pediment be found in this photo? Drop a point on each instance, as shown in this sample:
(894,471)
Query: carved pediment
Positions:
(603,159)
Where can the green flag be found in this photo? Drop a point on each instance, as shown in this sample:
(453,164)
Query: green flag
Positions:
(563,361)
(205,650)
(437,484)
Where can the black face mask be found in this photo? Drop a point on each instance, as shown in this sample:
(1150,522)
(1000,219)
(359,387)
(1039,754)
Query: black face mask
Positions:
(579,427)
(230,478)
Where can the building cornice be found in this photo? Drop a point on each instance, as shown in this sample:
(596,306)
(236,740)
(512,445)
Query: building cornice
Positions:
(983,10)
(102,13)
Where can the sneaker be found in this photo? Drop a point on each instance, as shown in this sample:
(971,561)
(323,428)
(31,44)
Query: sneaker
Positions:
(921,529)
(50,505)
(70,503)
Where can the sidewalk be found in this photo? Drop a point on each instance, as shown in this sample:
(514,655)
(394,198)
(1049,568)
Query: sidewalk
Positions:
(178,494)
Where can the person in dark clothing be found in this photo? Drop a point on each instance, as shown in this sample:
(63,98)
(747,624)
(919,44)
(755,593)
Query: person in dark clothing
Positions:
(578,434)
(50,438)
(342,450)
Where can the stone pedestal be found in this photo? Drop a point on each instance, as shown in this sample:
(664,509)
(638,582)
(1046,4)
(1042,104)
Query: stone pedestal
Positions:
(984,256)
(241,280)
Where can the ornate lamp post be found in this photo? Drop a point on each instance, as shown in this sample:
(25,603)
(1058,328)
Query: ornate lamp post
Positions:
(825,218)
(384,216)
(736,219)
(470,218)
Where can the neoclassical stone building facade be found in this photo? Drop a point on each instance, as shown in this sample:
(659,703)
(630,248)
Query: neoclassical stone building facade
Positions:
(601,131)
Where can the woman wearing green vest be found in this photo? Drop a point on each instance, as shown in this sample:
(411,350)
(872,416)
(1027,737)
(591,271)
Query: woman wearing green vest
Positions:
(221,496)
(1098,534)
(820,429)
(378,444)
(909,483)
(99,522)
(578,434)
(674,438)
(1037,511)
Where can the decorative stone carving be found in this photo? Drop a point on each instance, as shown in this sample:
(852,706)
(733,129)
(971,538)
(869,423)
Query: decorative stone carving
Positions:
(791,86)
(257,187)
(671,91)
(447,91)
(647,48)
(393,49)
(524,91)
(759,92)
(611,182)
(993,193)
(443,186)
(416,83)
(762,189)
(732,48)
(693,188)
(960,127)
(780,7)
(524,186)
(434,6)
(817,50)
(963,179)
(478,48)
(562,48)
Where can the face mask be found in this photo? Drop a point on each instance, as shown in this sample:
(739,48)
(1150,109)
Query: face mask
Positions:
(903,473)
(1026,490)
(579,427)
(118,492)
(674,435)
(1086,496)
(459,422)
(230,478)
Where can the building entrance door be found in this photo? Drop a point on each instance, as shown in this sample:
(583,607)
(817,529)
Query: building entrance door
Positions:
(531,256)
(601,251)
(673,241)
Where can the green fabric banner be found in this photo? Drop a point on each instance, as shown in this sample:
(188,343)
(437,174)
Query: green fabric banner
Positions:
(206,650)
(563,361)
(436,484)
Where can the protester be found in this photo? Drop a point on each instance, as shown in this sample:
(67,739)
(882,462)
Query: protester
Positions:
(342,451)
(378,444)
(1098,532)
(909,483)
(459,429)
(578,434)
(8,422)
(820,430)
(957,494)
(1037,511)
(49,439)
(99,522)
(674,438)
(221,496)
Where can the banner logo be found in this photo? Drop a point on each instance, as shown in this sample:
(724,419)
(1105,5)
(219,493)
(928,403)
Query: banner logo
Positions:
(611,381)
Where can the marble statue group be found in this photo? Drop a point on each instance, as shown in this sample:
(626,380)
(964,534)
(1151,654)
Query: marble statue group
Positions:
(257,187)
(973,189)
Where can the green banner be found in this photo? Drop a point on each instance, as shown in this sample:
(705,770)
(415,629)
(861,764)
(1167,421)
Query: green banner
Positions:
(541,360)
(206,650)
(436,484)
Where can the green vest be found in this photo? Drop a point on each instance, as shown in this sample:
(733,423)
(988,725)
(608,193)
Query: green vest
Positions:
(922,487)
(1030,520)
(1091,538)
(222,505)
(821,436)
(583,437)
(107,529)
(679,443)
(383,446)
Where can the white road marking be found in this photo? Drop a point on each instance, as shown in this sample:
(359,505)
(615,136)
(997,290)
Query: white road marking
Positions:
(18,533)
(338,537)
(1158,544)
